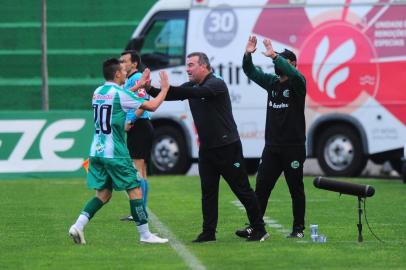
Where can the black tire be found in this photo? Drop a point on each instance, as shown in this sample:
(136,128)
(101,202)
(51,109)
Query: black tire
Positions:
(251,165)
(339,151)
(169,154)
(396,164)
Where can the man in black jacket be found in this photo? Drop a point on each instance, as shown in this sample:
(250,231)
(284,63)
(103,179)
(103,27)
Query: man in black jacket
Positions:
(285,129)
(220,152)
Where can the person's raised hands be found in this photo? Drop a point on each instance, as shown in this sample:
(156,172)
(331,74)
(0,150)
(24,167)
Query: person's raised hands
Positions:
(269,51)
(251,45)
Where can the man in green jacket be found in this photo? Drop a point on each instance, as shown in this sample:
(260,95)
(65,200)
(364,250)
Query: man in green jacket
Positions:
(285,130)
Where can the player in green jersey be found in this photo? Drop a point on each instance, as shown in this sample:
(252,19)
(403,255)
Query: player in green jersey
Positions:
(110,166)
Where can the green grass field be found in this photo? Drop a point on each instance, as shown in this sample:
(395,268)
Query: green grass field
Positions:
(35,216)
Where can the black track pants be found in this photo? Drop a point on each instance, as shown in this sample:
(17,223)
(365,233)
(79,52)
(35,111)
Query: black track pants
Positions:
(289,160)
(226,161)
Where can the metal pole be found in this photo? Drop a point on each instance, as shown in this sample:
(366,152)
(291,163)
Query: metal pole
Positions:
(359,225)
(45,94)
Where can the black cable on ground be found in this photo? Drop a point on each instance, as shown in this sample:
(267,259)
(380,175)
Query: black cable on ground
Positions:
(369,227)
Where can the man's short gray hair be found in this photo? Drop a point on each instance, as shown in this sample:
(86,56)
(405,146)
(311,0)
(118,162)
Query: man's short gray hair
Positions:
(203,59)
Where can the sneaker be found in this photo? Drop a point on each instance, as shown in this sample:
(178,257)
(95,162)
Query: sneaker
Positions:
(77,235)
(296,233)
(244,233)
(127,218)
(258,235)
(205,237)
(153,239)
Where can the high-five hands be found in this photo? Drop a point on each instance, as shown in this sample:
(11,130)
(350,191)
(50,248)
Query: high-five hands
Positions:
(145,78)
(144,81)
(164,80)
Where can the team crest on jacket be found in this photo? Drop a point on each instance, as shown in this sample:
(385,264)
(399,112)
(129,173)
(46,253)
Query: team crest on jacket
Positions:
(295,164)
(286,93)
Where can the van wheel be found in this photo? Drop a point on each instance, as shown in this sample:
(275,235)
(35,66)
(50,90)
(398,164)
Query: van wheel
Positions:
(339,152)
(396,165)
(169,153)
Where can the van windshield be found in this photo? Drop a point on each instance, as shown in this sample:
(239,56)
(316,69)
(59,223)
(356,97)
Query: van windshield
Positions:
(164,41)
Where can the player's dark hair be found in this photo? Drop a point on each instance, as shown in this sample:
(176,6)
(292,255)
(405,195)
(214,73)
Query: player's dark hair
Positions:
(110,67)
(203,59)
(135,56)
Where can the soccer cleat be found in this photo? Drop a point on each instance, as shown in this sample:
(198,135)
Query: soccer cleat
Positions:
(127,218)
(153,239)
(244,233)
(258,235)
(205,237)
(296,234)
(77,235)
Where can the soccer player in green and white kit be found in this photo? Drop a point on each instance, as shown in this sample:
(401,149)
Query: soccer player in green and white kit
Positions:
(110,165)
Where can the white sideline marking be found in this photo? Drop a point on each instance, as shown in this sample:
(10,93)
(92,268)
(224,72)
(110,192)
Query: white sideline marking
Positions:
(190,260)
(272,223)
(275,226)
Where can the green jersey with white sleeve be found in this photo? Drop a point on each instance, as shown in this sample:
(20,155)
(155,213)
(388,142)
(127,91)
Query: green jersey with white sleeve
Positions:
(110,106)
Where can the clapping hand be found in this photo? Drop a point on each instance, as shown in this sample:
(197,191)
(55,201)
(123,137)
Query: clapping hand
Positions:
(251,45)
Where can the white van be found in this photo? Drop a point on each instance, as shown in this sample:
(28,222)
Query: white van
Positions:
(352,53)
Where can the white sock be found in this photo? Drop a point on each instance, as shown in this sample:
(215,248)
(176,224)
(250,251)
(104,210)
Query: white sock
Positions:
(81,222)
(144,230)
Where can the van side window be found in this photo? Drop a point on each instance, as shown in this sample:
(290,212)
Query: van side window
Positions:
(164,43)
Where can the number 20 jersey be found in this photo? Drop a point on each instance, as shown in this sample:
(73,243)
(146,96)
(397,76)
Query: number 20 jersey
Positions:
(110,106)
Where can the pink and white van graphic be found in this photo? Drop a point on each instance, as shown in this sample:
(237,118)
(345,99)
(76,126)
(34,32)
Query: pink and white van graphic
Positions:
(348,53)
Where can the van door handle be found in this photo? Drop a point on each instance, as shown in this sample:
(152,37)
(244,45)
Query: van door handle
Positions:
(178,72)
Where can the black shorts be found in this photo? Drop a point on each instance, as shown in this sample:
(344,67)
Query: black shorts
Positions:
(139,139)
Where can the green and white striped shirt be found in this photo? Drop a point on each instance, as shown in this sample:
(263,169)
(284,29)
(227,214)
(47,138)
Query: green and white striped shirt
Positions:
(110,106)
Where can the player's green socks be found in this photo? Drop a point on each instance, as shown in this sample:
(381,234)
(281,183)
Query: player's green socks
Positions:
(92,207)
(138,211)
(88,212)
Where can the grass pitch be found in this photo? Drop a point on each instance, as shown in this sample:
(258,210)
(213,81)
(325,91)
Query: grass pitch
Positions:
(35,216)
